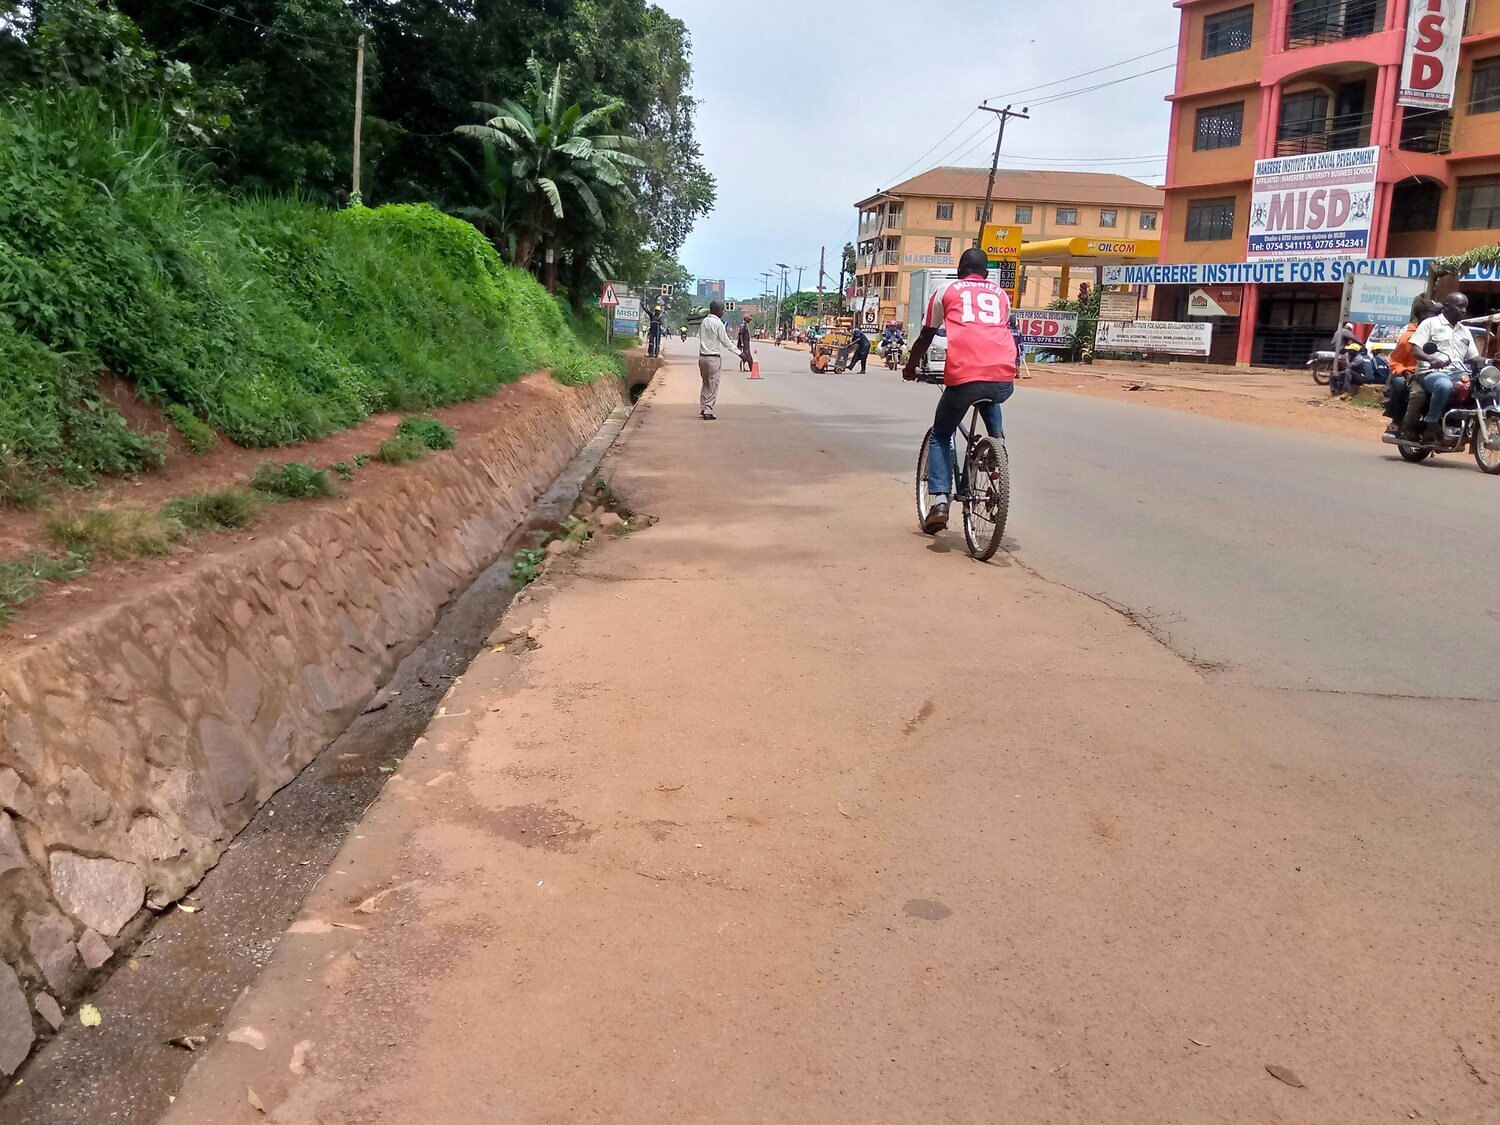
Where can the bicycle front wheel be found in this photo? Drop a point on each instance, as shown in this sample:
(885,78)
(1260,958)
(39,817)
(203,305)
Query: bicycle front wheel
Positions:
(986,497)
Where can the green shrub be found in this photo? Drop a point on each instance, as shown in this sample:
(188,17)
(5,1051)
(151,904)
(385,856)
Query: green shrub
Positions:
(401,449)
(344,470)
(200,438)
(271,321)
(428,430)
(526,567)
(20,575)
(292,481)
(18,489)
(116,533)
(361,460)
(578,368)
(225,510)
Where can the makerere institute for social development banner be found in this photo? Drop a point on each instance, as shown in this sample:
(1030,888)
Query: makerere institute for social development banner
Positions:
(1319,205)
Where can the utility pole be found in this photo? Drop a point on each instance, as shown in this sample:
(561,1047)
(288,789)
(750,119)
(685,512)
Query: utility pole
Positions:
(765,316)
(359,111)
(1024,114)
(798,294)
(822,261)
(783,267)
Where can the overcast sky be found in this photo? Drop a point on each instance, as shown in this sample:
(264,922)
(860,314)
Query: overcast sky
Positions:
(811,105)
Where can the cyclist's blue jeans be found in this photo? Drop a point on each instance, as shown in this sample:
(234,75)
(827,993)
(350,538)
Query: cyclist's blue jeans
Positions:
(951,409)
(1440,389)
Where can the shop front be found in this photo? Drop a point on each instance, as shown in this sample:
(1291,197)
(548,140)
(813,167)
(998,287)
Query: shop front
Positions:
(1285,309)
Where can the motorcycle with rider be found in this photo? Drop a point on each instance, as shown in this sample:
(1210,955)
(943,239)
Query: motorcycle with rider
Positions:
(1452,402)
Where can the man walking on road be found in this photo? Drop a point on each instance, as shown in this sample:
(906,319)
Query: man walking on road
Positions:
(713,342)
(981,366)
(746,358)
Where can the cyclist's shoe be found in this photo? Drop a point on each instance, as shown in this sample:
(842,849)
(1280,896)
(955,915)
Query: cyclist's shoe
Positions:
(937,518)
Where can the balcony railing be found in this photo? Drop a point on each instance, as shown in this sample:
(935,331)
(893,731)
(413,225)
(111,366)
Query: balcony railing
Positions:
(892,257)
(1297,138)
(1427,130)
(1326,21)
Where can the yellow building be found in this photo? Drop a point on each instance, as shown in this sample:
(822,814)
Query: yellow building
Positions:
(926,222)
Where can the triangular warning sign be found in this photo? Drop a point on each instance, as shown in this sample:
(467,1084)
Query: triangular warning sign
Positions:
(609,300)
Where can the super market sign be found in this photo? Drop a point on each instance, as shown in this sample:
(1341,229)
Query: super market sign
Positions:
(1278,272)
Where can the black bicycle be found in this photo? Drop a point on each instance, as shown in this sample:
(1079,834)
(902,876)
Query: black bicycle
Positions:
(981,484)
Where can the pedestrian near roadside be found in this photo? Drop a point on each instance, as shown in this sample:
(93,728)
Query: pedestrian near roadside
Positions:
(713,342)
(746,359)
(860,353)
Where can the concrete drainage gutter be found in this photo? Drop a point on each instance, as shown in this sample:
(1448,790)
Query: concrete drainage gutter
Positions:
(135,745)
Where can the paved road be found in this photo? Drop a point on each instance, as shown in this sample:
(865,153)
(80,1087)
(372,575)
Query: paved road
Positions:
(780,811)
(1287,559)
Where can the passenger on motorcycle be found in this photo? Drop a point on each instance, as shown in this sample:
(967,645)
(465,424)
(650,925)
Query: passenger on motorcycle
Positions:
(1443,347)
(1398,390)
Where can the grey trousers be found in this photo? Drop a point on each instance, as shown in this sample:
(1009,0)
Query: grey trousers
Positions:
(709,367)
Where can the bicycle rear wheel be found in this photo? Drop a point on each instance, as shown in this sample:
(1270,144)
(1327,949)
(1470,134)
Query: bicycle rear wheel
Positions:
(986,497)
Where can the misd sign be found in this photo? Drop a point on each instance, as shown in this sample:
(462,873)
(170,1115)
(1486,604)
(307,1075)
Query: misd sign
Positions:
(1320,205)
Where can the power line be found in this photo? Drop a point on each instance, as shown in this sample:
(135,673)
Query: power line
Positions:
(945,136)
(271,31)
(1086,73)
(1066,94)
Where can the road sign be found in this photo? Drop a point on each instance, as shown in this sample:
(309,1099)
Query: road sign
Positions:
(608,299)
(627,316)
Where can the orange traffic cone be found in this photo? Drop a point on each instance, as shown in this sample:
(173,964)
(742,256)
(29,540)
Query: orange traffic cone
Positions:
(755,369)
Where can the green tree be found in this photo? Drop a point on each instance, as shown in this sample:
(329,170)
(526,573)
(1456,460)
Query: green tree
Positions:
(562,159)
(282,72)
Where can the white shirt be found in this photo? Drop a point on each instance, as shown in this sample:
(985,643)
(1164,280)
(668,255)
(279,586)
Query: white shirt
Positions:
(713,337)
(1454,342)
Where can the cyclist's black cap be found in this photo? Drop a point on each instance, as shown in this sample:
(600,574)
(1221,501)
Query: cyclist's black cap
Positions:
(974,262)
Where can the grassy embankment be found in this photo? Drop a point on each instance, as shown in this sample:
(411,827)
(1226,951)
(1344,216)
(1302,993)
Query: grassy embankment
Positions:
(270,321)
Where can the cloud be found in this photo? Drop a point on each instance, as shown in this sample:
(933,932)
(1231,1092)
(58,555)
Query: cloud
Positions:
(811,105)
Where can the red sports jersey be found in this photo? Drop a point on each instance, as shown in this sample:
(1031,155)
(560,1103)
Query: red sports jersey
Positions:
(976,314)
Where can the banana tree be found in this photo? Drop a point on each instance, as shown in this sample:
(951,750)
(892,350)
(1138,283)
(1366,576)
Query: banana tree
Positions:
(561,159)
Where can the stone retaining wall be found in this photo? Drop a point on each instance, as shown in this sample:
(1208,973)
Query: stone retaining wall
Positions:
(136,743)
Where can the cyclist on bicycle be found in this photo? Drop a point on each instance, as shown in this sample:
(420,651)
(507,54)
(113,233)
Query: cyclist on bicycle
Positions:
(981,365)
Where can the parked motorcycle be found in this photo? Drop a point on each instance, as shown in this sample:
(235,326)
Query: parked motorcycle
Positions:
(1321,365)
(1470,425)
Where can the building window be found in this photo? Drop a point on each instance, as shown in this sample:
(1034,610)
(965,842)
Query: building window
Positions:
(1484,91)
(1228,32)
(1109,218)
(1023,213)
(1220,126)
(942,245)
(1067,216)
(1303,115)
(1148,220)
(945,212)
(1414,206)
(982,213)
(1210,220)
(1478,204)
